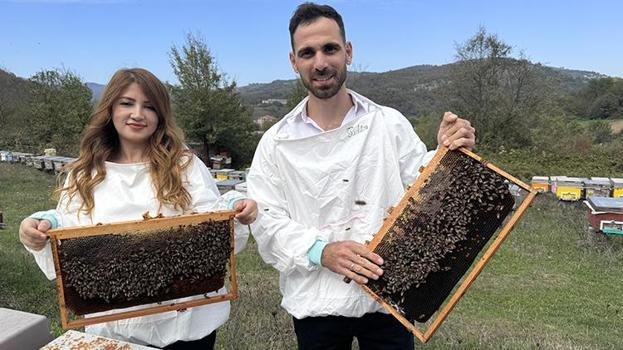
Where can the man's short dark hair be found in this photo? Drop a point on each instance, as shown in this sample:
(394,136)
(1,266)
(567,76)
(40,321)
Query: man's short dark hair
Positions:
(309,12)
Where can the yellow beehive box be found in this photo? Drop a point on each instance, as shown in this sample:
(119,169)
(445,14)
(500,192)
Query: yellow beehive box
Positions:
(617,187)
(223,174)
(553,181)
(570,189)
(540,183)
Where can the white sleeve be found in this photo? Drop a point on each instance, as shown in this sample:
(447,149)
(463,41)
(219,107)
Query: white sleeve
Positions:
(205,197)
(44,257)
(44,260)
(412,152)
(282,242)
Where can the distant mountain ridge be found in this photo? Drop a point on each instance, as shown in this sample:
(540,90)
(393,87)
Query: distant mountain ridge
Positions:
(413,90)
(96,90)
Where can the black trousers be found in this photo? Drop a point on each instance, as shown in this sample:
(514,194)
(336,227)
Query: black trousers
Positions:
(373,331)
(205,343)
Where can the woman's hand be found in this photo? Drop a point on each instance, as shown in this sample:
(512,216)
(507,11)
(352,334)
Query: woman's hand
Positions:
(32,233)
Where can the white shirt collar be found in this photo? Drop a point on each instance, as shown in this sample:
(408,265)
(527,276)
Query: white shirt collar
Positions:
(301,120)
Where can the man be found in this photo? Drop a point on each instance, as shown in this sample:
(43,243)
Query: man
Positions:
(324,177)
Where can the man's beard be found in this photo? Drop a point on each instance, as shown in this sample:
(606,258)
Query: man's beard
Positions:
(326,91)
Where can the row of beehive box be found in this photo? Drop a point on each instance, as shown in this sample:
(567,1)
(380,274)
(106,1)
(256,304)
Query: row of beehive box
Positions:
(47,163)
(226,179)
(230,179)
(229,174)
(577,188)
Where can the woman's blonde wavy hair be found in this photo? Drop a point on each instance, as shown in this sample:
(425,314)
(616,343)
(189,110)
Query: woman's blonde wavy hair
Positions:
(167,154)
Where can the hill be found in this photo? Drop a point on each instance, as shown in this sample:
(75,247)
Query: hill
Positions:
(15,97)
(96,89)
(13,89)
(415,90)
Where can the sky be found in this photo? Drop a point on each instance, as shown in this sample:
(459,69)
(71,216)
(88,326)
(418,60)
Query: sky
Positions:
(250,39)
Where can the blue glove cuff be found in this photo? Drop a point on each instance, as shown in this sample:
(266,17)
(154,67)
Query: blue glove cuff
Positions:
(315,252)
(49,215)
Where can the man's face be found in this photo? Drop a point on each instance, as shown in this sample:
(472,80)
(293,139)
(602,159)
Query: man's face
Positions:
(320,56)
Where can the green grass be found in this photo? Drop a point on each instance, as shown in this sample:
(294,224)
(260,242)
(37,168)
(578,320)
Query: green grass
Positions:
(552,285)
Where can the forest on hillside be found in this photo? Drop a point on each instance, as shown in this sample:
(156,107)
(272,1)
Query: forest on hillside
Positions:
(524,112)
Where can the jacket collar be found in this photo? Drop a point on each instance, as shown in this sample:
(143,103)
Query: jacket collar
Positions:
(300,110)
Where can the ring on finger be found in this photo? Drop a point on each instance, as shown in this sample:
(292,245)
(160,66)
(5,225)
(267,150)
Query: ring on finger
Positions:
(352,267)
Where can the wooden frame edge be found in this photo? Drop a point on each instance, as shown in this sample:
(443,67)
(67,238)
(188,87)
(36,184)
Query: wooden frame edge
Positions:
(233,279)
(149,310)
(137,225)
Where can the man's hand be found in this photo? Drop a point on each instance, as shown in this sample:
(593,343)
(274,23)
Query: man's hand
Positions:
(353,260)
(247,211)
(32,233)
(455,132)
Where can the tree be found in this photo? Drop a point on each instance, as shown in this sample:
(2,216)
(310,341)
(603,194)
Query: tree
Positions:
(499,94)
(6,112)
(208,105)
(427,127)
(599,99)
(60,107)
(605,106)
(601,131)
(299,92)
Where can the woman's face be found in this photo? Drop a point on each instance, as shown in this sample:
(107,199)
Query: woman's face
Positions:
(134,117)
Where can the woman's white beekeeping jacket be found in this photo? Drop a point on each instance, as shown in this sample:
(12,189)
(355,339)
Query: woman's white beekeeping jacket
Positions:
(125,194)
(315,188)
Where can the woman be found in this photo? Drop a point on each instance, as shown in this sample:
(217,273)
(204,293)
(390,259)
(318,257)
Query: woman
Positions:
(132,160)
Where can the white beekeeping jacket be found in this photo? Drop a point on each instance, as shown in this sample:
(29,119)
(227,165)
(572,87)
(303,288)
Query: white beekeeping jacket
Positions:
(125,194)
(313,188)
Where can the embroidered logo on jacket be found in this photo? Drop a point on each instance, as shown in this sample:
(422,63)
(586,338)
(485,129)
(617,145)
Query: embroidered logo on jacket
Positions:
(356,129)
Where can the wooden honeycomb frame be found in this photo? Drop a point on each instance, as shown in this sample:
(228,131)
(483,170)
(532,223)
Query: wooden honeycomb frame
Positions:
(477,266)
(138,227)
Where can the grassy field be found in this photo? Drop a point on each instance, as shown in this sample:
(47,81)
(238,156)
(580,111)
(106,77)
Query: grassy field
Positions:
(552,285)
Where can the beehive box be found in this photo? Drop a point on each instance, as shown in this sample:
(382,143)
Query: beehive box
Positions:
(227,185)
(223,174)
(540,183)
(617,187)
(5,156)
(22,157)
(48,163)
(598,187)
(605,214)
(131,264)
(238,175)
(434,235)
(74,340)
(554,182)
(570,188)
(38,162)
